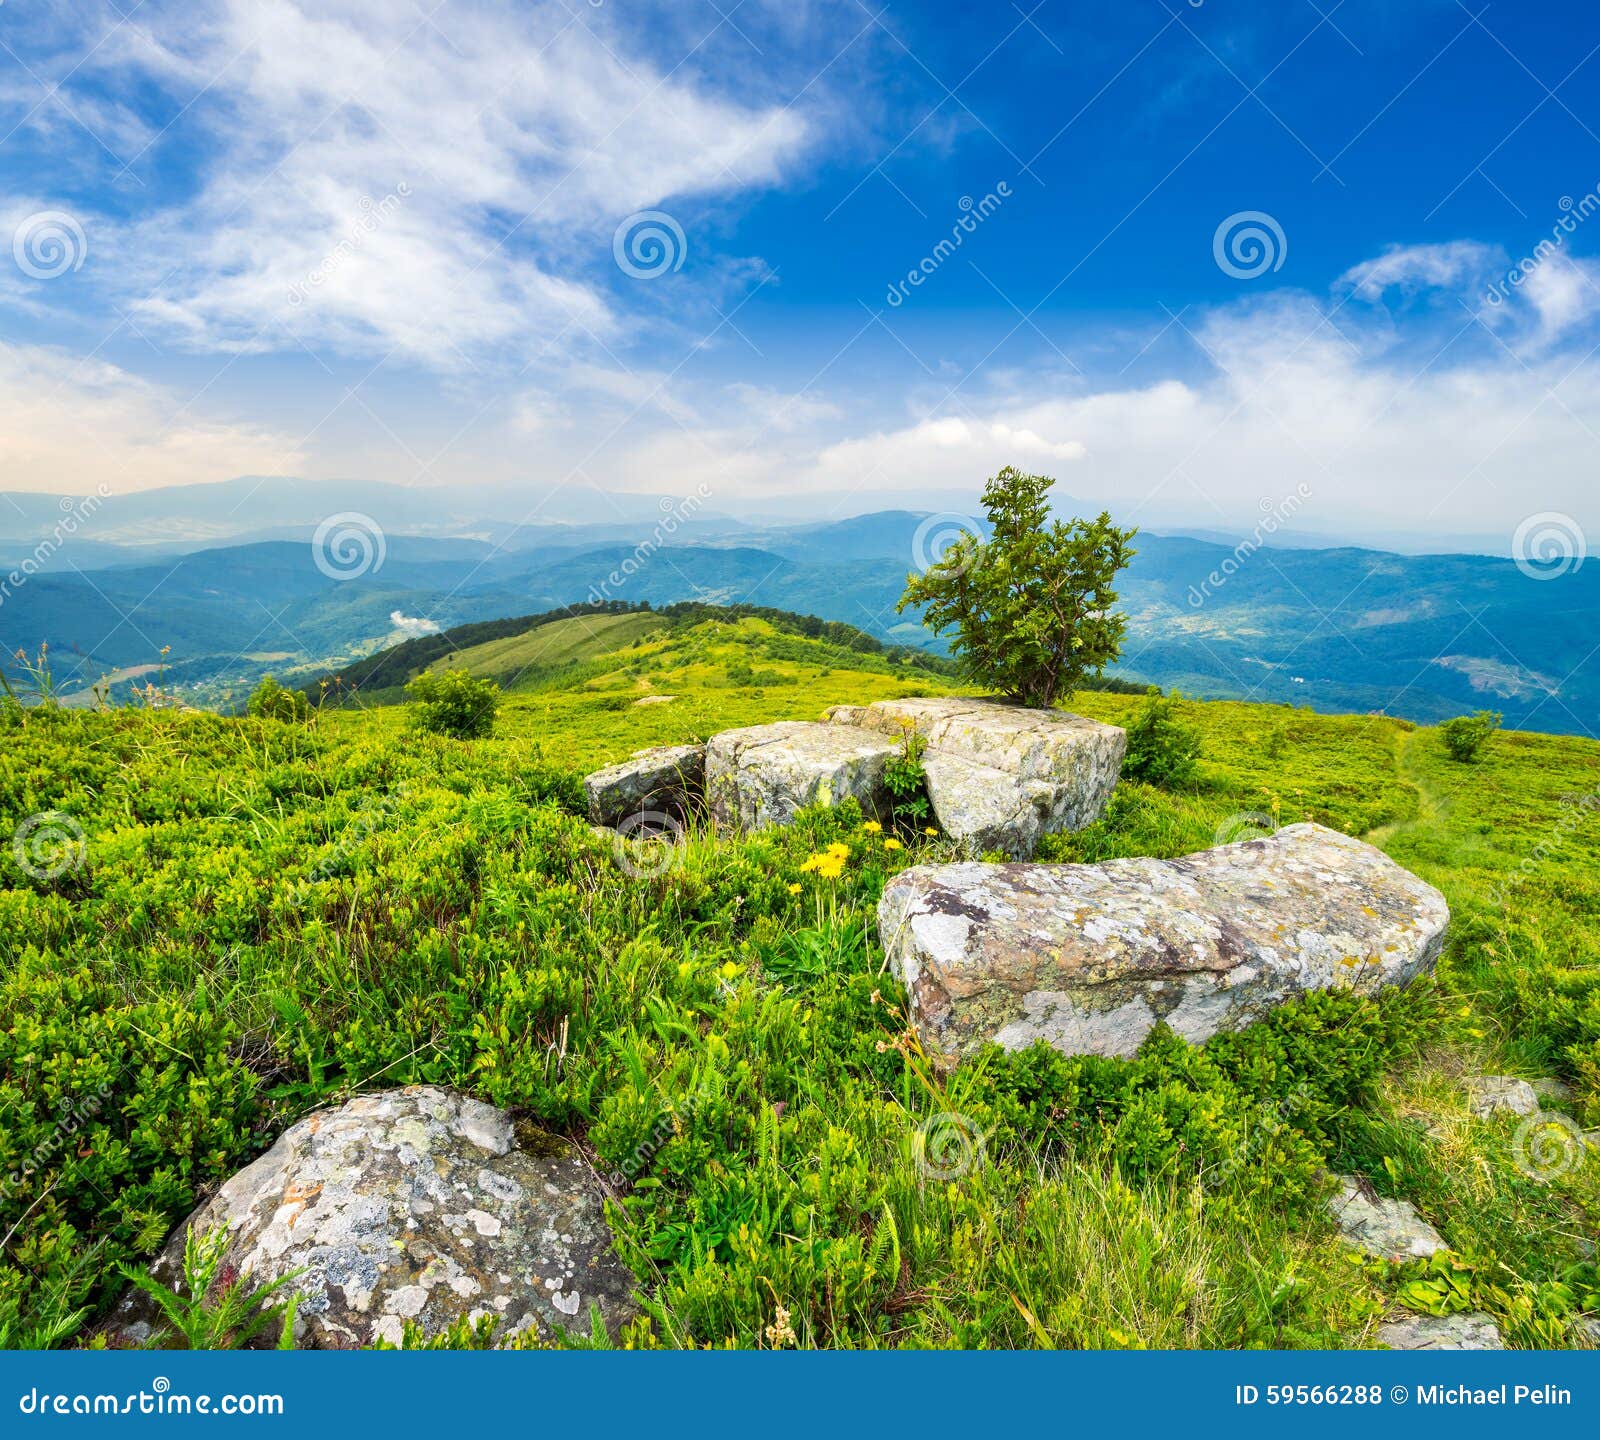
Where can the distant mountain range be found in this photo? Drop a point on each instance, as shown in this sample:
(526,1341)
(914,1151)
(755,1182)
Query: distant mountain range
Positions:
(1339,629)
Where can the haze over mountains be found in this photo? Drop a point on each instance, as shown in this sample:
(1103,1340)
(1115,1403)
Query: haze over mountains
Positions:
(227,577)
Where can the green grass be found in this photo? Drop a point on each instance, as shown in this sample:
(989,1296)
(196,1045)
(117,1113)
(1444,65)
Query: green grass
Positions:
(270,917)
(562,642)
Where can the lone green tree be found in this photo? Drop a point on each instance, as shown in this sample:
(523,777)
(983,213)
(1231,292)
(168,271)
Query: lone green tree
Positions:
(1031,606)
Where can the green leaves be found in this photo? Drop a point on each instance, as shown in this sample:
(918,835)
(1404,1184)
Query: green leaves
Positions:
(1031,606)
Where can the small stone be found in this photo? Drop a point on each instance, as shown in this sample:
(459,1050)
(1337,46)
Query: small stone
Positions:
(1467,1331)
(1557,1091)
(1389,1229)
(1493,1094)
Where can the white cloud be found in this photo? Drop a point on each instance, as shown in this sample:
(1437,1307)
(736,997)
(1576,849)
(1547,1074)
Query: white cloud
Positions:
(68,424)
(1417,267)
(412,626)
(443,186)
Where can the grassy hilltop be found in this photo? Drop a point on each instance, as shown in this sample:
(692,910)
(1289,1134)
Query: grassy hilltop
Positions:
(270,916)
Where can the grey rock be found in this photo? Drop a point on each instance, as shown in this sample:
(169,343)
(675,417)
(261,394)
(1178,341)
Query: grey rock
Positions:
(417,1204)
(1000,775)
(1468,1331)
(1088,958)
(1389,1229)
(765,774)
(1589,1329)
(668,779)
(1493,1094)
(983,808)
(1558,1092)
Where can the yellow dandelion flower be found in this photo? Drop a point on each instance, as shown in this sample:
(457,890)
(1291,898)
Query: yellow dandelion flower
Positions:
(892,844)
(872,827)
(795,889)
(931,830)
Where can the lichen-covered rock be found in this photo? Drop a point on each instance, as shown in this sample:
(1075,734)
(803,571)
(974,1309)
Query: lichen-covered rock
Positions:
(765,774)
(1468,1331)
(1495,1094)
(668,779)
(1089,958)
(1390,1229)
(983,808)
(1000,775)
(416,1204)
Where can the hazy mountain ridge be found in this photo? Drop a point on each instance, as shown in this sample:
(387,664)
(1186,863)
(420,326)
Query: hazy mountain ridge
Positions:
(1340,629)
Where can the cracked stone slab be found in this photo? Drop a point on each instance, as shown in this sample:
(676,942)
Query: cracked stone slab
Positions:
(765,774)
(667,778)
(416,1204)
(1389,1229)
(1001,775)
(1089,958)
(1471,1330)
(1496,1094)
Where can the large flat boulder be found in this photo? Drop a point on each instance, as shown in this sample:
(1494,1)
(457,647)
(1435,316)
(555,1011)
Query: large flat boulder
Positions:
(1001,775)
(667,779)
(417,1204)
(1088,958)
(766,774)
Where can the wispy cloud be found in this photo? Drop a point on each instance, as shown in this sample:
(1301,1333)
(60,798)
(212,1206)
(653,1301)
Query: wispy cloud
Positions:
(375,179)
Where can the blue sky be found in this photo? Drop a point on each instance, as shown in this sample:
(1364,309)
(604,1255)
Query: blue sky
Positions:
(391,240)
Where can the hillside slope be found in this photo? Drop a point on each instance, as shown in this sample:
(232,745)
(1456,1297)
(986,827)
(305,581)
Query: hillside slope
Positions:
(267,916)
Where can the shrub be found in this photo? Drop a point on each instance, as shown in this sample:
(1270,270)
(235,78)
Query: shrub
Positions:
(1162,750)
(905,777)
(272,702)
(1465,736)
(452,702)
(1031,606)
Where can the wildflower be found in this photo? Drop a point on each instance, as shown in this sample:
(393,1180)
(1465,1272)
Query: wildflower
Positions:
(780,1333)
(892,844)
(872,827)
(794,889)
(932,830)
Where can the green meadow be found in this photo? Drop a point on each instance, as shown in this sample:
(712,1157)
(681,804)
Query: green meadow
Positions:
(257,918)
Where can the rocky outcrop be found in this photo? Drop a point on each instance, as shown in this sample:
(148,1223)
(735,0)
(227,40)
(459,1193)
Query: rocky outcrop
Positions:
(1389,1229)
(999,776)
(766,774)
(1501,1094)
(1088,958)
(667,780)
(418,1204)
(1470,1331)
